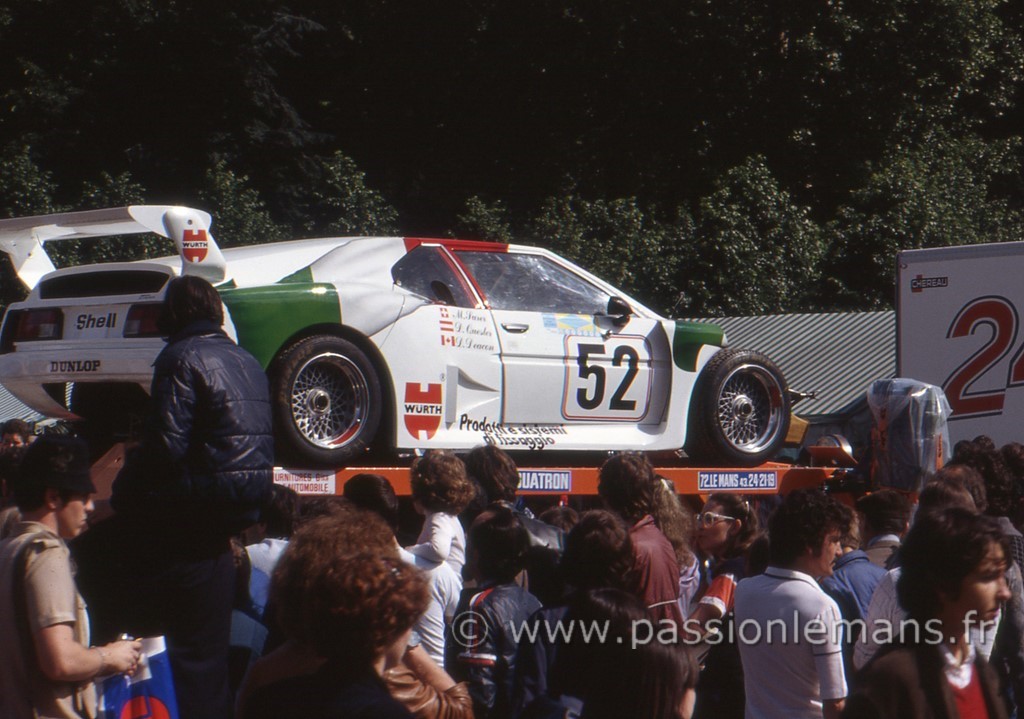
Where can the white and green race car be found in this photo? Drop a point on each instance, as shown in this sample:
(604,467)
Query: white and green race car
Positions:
(394,343)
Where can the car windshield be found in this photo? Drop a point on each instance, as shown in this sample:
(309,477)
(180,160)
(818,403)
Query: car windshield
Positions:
(532,283)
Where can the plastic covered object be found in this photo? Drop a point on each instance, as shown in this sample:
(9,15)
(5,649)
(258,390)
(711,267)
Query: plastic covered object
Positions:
(909,433)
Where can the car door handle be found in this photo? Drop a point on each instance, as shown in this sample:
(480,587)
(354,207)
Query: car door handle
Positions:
(515,327)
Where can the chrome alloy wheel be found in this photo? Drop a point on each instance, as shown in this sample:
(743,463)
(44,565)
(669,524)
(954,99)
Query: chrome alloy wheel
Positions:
(329,400)
(751,408)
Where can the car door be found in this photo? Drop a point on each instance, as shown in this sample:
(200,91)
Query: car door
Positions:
(565,360)
(443,355)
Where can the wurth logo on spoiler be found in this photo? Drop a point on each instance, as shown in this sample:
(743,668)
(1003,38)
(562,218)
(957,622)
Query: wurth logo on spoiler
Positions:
(194,245)
(922,283)
(422,409)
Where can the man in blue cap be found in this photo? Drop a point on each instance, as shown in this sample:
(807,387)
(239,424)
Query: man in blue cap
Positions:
(47,667)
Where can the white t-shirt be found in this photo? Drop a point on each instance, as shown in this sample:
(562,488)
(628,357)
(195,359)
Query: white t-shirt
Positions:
(263,557)
(442,540)
(885,618)
(444,587)
(789,633)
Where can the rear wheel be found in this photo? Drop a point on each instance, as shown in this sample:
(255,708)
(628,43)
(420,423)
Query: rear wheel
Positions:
(740,411)
(328,401)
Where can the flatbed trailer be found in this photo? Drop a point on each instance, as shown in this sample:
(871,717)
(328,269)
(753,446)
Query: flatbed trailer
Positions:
(768,479)
(555,479)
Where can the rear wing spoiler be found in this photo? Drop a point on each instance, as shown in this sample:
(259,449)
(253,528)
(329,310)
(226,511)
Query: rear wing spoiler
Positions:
(24,238)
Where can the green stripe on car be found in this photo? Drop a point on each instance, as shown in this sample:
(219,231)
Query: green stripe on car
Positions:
(265,317)
(689,338)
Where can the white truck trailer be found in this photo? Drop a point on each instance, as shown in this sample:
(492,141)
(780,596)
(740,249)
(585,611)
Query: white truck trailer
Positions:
(958,318)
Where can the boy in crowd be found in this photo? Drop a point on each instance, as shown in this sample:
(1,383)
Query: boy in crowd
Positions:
(483,644)
(885,518)
(953,578)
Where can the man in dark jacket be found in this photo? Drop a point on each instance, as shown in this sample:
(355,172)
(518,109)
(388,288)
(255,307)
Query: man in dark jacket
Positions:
(162,564)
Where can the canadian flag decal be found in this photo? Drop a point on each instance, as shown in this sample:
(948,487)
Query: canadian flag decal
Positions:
(194,245)
(422,409)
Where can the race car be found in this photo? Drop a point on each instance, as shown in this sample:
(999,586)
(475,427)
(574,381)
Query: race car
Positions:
(390,343)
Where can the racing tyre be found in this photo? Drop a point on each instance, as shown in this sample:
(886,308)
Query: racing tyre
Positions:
(327,401)
(740,411)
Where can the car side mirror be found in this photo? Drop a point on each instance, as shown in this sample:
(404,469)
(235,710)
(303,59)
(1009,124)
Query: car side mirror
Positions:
(619,310)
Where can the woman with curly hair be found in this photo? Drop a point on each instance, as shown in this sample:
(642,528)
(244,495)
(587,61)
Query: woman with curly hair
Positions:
(440,491)
(676,522)
(350,611)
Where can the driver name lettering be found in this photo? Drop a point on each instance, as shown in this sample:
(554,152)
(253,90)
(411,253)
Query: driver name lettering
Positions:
(466,329)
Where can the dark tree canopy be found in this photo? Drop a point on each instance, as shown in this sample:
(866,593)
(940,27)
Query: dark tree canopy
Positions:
(709,157)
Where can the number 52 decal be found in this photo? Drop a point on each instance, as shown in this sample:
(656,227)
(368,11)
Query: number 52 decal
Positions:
(998,315)
(607,379)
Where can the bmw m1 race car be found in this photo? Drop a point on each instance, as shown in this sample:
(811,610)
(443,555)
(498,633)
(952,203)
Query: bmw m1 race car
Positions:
(398,343)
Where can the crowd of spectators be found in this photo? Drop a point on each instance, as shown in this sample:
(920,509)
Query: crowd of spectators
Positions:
(640,603)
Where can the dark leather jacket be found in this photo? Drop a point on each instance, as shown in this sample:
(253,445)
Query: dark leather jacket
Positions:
(481,648)
(207,453)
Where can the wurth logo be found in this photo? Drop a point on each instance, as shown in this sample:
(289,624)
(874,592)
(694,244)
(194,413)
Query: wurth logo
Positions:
(195,245)
(423,408)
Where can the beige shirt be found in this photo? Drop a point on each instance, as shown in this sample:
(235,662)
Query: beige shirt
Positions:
(51,598)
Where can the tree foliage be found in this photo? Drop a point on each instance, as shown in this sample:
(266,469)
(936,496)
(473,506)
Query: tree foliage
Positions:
(340,202)
(710,157)
(240,214)
(933,194)
(753,250)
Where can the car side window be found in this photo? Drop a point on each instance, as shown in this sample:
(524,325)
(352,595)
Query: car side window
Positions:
(532,283)
(428,272)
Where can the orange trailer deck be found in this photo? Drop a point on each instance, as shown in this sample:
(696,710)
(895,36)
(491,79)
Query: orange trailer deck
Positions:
(769,478)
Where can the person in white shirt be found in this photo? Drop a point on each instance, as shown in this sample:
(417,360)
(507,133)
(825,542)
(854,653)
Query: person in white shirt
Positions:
(788,630)
(885,618)
(440,491)
(375,493)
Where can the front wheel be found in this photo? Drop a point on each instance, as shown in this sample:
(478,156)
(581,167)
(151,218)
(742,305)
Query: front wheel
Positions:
(327,401)
(740,410)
